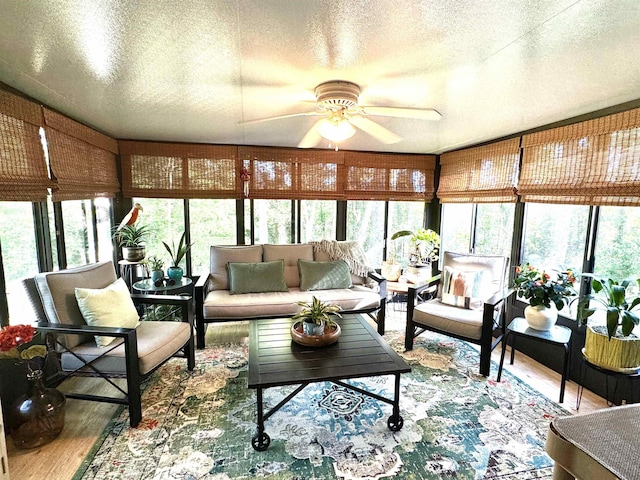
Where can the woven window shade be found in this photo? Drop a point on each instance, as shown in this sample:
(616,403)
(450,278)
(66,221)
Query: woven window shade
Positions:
(23,169)
(82,160)
(293,173)
(179,170)
(596,162)
(486,174)
(375,176)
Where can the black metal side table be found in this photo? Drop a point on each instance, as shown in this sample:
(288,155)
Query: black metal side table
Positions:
(630,374)
(558,335)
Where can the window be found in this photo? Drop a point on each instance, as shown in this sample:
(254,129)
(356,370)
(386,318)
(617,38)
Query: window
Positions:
(455,230)
(272,221)
(212,222)
(365,224)
(403,216)
(617,243)
(555,236)
(83,243)
(317,220)
(18,242)
(494,228)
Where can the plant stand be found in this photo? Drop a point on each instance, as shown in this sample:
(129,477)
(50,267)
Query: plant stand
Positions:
(630,375)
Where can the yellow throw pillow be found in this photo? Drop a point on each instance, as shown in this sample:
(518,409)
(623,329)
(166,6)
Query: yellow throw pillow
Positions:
(107,307)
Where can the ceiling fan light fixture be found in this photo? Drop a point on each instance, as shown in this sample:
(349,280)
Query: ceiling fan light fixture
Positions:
(336,129)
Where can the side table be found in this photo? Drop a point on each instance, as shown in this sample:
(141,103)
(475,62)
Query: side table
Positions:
(558,335)
(148,286)
(628,374)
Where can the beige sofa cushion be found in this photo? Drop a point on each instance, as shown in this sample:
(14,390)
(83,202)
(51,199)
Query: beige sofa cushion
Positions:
(220,304)
(221,255)
(290,254)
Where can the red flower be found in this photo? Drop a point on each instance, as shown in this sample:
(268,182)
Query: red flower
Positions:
(14,335)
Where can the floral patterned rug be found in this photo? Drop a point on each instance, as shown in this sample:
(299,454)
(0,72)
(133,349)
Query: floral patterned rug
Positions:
(457,424)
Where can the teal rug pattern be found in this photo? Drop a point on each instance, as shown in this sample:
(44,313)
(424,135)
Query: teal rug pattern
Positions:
(457,424)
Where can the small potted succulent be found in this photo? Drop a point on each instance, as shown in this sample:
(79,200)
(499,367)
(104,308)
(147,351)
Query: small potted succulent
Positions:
(154,265)
(314,320)
(613,346)
(177,253)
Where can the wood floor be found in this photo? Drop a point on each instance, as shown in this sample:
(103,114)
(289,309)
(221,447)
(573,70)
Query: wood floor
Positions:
(60,459)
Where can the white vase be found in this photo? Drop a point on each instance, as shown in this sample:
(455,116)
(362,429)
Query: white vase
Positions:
(541,317)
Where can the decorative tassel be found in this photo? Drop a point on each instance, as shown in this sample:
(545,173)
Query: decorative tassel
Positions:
(245,175)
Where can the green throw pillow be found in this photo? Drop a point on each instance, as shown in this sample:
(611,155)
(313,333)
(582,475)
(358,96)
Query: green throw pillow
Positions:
(259,277)
(324,275)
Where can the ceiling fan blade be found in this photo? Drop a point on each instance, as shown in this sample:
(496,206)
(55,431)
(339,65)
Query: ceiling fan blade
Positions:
(375,130)
(311,138)
(280,117)
(416,113)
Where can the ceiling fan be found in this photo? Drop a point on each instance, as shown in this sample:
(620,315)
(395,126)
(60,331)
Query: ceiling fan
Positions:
(337,104)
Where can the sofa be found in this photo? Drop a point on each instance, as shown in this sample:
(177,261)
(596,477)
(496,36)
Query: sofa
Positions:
(267,281)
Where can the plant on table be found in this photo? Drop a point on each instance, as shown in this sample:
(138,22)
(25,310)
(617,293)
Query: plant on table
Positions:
(177,253)
(317,313)
(424,242)
(540,289)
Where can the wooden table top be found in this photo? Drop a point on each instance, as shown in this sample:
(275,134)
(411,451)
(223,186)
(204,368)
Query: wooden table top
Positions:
(274,359)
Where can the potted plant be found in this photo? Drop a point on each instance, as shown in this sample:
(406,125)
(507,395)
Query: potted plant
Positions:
(132,239)
(613,346)
(175,272)
(314,320)
(546,296)
(154,264)
(424,245)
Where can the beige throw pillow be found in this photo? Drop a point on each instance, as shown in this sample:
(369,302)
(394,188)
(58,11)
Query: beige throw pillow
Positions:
(107,307)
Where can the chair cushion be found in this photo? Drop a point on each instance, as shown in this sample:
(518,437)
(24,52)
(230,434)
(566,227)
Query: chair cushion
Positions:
(462,289)
(459,321)
(156,341)
(220,256)
(290,254)
(324,275)
(256,277)
(107,307)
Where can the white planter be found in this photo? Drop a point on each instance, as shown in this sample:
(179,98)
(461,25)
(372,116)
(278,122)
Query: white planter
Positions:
(620,354)
(541,317)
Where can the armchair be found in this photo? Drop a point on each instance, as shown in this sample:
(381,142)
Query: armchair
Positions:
(468,305)
(134,354)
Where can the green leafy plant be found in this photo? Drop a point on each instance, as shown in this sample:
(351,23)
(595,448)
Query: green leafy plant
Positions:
(424,238)
(133,235)
(317,312)
(177,253)
(154,263)
(539,288)
(616,300)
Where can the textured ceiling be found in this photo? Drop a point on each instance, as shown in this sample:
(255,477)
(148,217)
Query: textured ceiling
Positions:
(191,70)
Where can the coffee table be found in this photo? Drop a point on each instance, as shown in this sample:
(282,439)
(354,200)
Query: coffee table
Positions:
(275,360)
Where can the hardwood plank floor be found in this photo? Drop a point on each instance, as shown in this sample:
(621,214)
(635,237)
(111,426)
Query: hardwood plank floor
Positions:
(85,421)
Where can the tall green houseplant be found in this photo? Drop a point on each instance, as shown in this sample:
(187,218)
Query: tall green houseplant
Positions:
(612,346)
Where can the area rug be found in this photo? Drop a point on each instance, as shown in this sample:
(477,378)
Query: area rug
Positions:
(457,424)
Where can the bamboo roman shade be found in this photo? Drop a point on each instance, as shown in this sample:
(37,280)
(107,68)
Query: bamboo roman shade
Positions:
(23,170)
(288,173)
(486,174)
(376,176)
(82,160)
(179,170)
(596,162)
